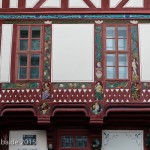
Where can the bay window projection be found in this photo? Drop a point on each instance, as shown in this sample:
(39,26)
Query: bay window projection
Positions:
(29,53)
(116,52)
(72,53)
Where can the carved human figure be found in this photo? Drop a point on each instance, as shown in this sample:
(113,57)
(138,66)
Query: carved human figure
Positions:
(96,145)
(96,108)
(98,73)
(99,64)
(98,91)
(135,91)
(134,67)
(44,108)
(46,91)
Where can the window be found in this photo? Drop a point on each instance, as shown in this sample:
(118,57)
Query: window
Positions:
(116,52)
(74,141)
(29,53)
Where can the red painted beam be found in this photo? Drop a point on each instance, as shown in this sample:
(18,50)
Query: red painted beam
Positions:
(21,3)
(64,4)
(122,3)
(126,110)
(5,4)
(58,110)
(105,4)
(18,110)
(89,3)
(38,5)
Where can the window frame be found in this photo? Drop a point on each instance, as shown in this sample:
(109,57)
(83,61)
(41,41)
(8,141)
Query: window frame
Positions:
(74,133)
(29,52)
(116,52)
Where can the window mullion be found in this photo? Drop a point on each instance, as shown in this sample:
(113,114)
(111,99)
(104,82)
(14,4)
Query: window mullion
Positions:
(40,53)
(128,50)
(29,53)
(116,51)
(17,52)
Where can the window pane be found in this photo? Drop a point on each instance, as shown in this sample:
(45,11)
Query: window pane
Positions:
(111,72)
(110,32)
(23,32)
(34,72)
(22,60)
(35,44)
(123,60)
(110,44)
(110,60)
(123,72)
(66,141)
(22,73)
(35,60)
(81,141)
(23,44)
(122,32)
(122,44)
(35,32)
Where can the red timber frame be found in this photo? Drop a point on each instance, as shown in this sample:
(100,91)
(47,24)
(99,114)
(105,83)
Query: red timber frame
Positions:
(66,10)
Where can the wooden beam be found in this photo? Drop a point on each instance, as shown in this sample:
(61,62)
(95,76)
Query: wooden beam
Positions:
(5,4)
(64,4)
(122,3)
(39,4)
(21,3)
(89,3)
(105,3)
(146,3)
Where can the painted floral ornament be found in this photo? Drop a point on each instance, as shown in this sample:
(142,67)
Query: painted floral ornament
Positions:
(134,21)
(48,22)
(98,21)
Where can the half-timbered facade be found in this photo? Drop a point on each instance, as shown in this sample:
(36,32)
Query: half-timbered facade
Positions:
(74,74)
